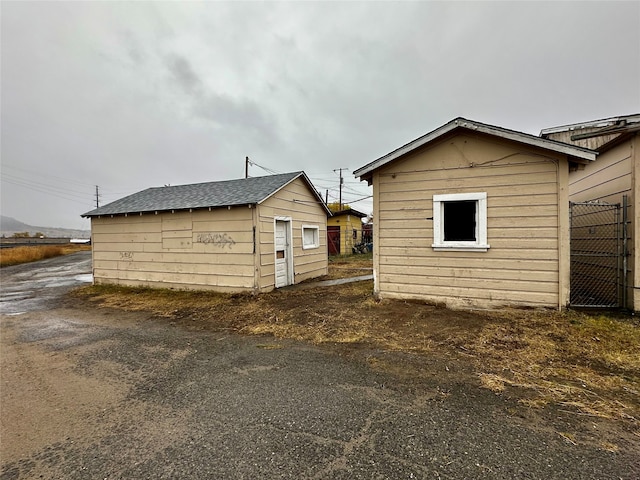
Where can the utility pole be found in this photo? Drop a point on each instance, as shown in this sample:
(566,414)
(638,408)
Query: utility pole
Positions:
(97,197)
(341,183)
(246,167)
(326,196)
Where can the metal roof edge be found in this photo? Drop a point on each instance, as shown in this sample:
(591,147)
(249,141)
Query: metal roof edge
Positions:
(635,117)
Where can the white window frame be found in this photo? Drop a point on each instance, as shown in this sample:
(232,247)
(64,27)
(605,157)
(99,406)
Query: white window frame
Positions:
(480,244)
(316,243)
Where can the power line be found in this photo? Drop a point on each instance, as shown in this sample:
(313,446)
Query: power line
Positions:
(35,183)
(53,194)
(40,174)
(248,162)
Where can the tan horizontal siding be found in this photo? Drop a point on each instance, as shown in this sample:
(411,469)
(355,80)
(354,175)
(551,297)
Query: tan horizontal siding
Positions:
(464,273)
(300,204)
(181,258)
(522,264)
(178,278)
(175,267)
(170,285)
(610,175)
(513,232)
(426,252)
(164,250)
(528,243)
(462,262)
(98,228)
(225,225)
(489,281)
(451,182)
(465,297)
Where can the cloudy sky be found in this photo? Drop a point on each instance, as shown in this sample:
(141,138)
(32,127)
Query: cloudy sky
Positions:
(132,95)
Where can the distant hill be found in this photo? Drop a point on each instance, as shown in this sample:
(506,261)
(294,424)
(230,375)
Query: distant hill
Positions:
(9,226)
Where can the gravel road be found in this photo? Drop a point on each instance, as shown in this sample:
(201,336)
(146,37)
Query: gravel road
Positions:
(102,394)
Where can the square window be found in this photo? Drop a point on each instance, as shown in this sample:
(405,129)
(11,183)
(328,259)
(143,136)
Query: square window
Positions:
(460,222)
(310,236)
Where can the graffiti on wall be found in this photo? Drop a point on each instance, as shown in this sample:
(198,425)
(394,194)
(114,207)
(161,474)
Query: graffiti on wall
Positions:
(220,240)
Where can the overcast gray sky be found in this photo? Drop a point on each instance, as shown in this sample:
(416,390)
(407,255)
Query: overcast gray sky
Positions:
(132,95)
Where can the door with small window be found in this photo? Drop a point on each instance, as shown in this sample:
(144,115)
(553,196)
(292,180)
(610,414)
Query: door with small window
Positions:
(283,253)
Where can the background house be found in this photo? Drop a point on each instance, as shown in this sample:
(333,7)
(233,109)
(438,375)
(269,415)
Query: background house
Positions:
(473,215)
(344,231)
(606,217)
(252,234)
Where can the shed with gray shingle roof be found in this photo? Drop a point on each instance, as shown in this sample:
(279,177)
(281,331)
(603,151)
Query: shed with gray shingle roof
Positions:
(251,234)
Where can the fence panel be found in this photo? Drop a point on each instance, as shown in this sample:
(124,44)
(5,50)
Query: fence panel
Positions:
(597,253)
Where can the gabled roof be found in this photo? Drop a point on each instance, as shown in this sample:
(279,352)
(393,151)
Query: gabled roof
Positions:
(349,211)
(245,191)
(581,155)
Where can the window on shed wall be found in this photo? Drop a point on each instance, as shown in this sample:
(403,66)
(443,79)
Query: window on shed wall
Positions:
(460,221)
(310,236)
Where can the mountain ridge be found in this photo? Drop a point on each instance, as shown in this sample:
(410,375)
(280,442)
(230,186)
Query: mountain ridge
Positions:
(9,226)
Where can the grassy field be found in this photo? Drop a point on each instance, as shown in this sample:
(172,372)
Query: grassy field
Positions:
(26,254)
(588,364)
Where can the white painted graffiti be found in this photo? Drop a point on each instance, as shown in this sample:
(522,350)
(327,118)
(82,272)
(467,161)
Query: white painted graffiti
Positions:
(221,240)
(126,256)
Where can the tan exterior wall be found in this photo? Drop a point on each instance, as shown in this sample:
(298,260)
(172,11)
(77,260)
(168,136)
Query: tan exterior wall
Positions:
(347,223)
(527,226)
(616,173)
(187,250)
(294,201)
(209,249)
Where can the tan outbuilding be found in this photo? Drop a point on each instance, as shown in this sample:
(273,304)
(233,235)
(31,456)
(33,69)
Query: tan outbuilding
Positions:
(344,231)
(472,215)
(610,184)
(252,234)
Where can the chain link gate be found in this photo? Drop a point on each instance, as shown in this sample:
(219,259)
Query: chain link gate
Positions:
(598,247)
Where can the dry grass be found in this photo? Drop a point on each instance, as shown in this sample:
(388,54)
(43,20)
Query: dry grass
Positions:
(349,266)
(26,254)
(589,364)
(585,364)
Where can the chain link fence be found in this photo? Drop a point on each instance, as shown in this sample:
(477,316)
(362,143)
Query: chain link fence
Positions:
(597,253)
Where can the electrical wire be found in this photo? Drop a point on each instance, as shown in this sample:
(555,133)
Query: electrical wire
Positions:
(53,194)
(40,174)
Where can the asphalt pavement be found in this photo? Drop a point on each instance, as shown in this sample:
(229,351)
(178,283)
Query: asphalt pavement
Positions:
(103,394)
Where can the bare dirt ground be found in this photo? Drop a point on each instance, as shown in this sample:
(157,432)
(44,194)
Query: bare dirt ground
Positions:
(325,382)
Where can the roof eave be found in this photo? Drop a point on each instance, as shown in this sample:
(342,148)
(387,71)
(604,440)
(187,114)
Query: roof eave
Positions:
(163,210)
(578,153)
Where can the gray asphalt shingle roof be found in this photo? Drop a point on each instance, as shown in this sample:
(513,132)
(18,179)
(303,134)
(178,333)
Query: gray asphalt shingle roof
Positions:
(199,195)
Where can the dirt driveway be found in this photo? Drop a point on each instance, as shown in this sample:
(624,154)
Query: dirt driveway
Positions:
(90,392)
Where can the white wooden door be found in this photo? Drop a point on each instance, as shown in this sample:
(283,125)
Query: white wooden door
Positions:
(283,254)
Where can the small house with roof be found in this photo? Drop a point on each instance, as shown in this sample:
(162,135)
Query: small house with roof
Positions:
(473,215)
(252,234)
(344,231)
